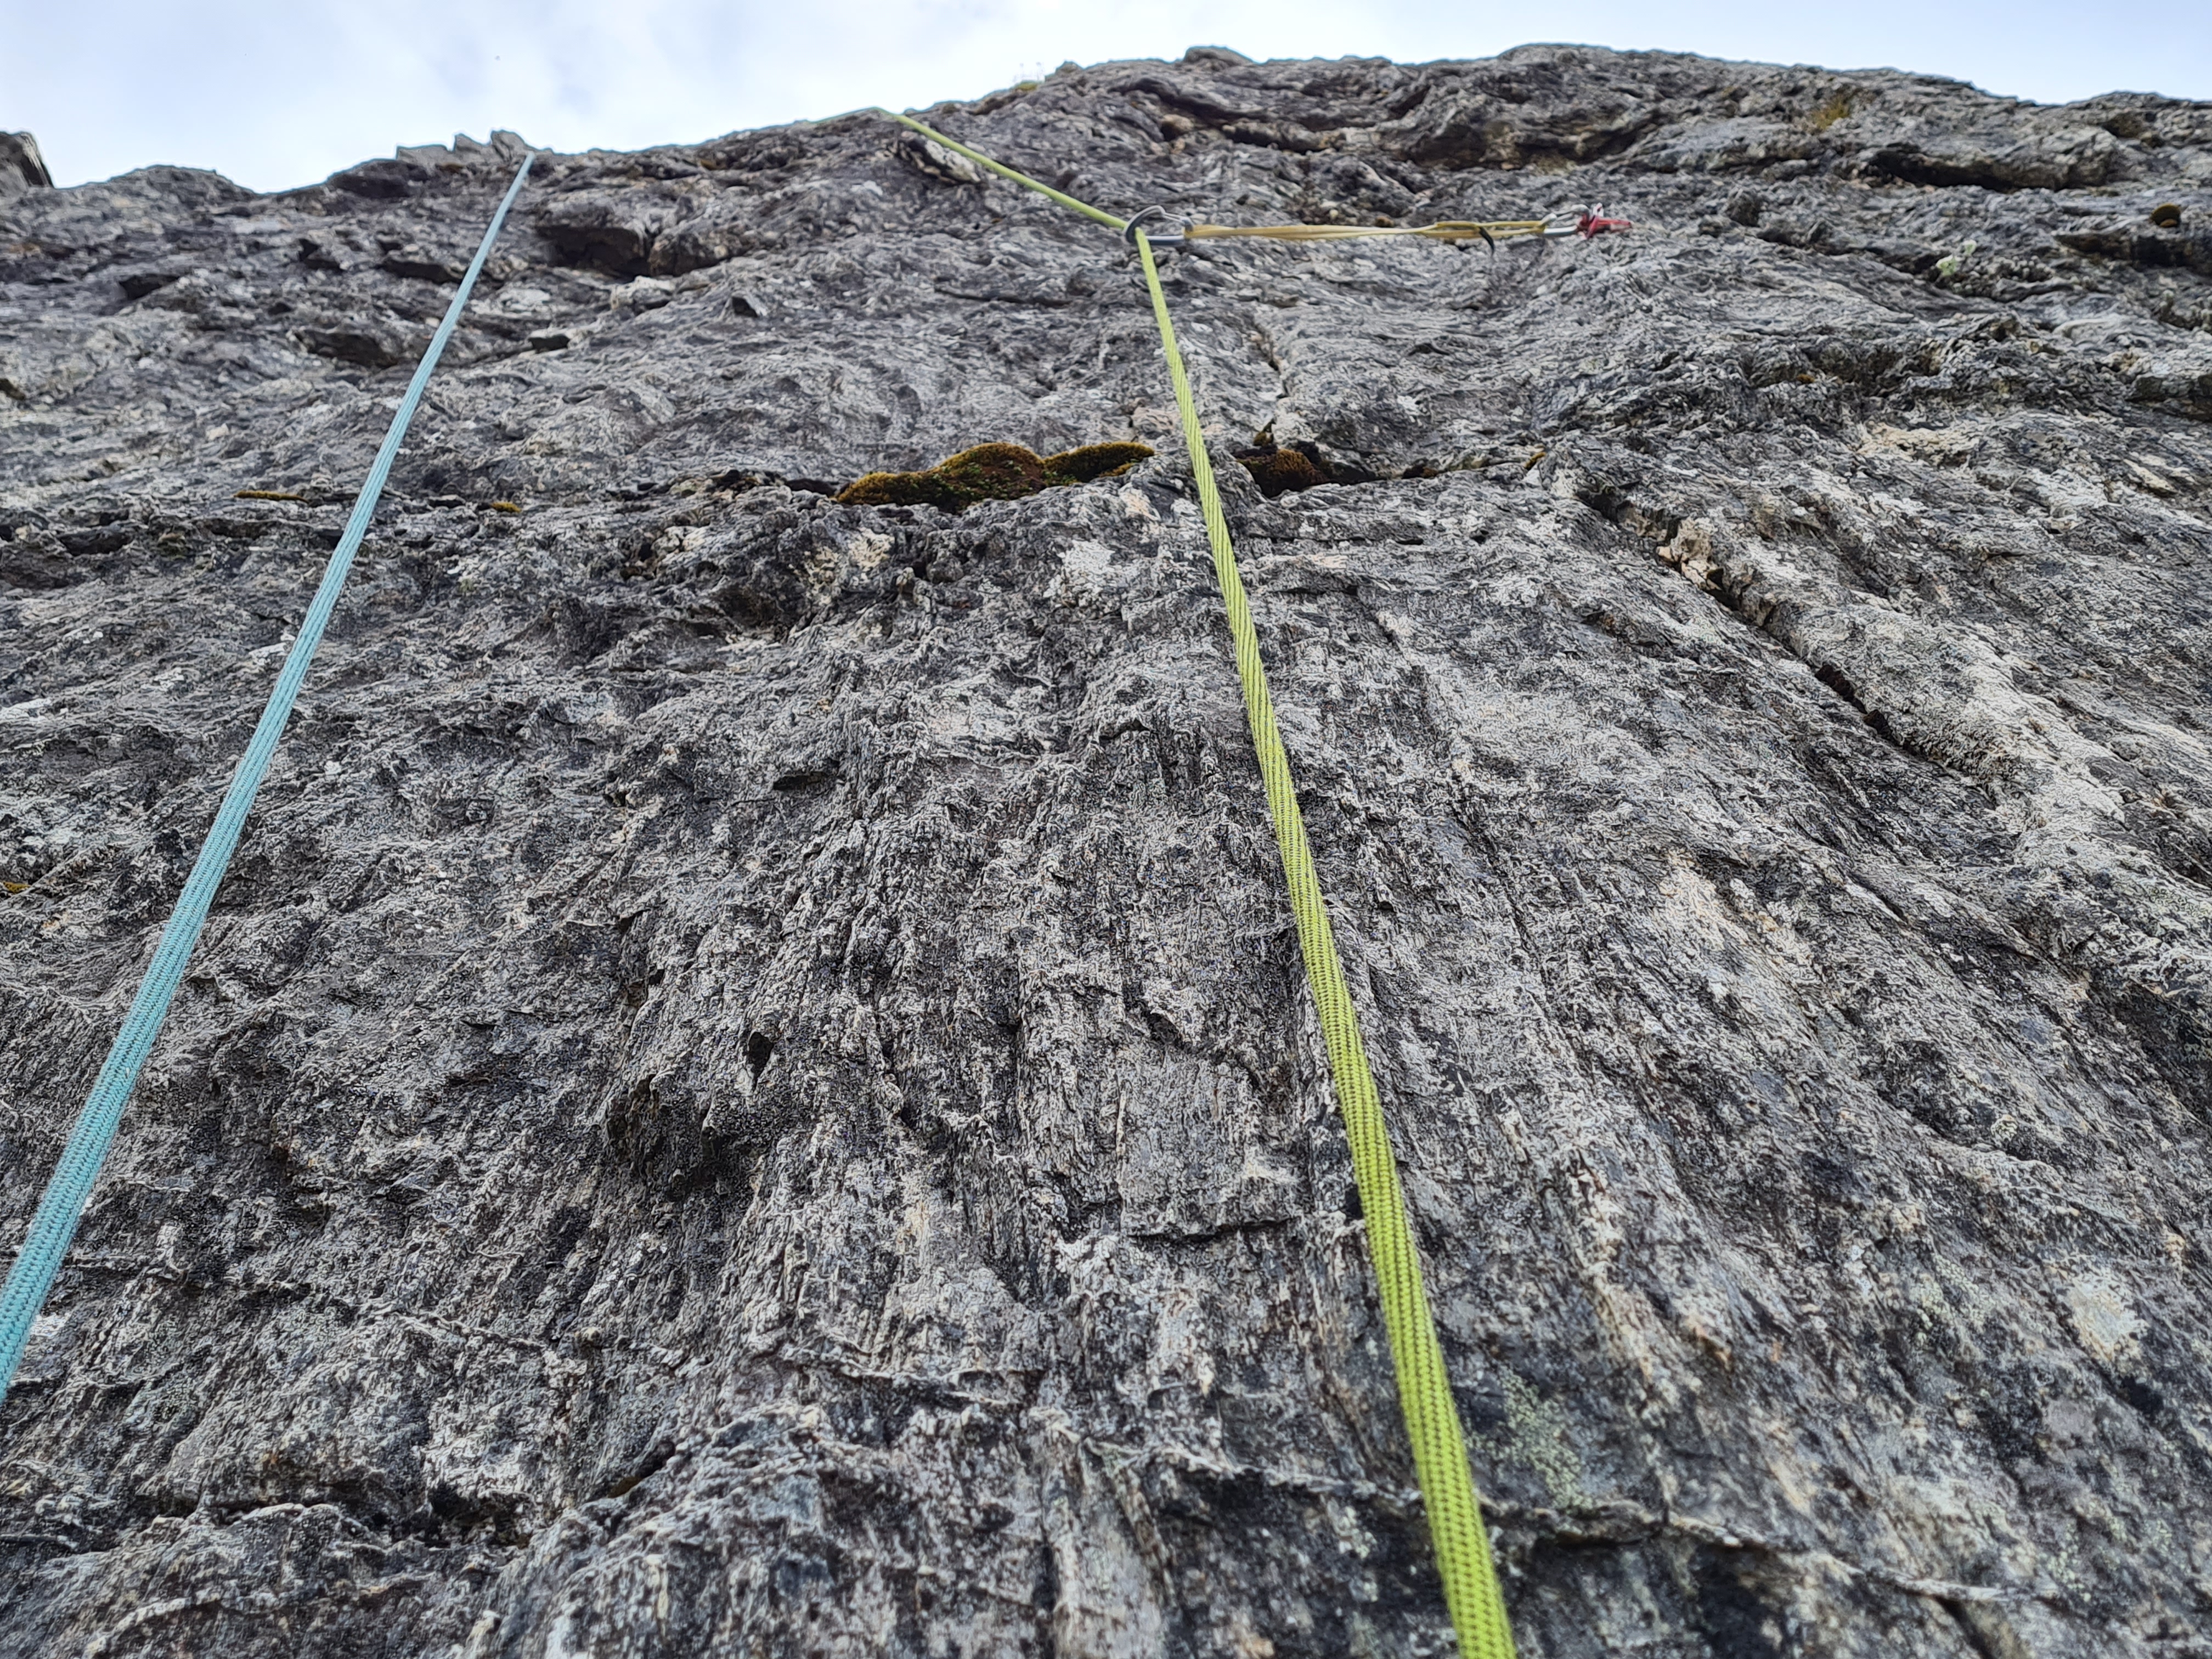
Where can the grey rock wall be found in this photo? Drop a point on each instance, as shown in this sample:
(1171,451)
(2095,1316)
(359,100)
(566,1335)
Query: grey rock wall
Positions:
(750,1091)
(22,167)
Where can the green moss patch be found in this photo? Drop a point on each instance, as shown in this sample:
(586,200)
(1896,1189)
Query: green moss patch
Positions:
(1279,468)
(1276,470)
(992,472)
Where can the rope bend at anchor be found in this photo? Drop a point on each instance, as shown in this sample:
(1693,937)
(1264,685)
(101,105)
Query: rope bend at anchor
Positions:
(1432,1415)
(1586,221)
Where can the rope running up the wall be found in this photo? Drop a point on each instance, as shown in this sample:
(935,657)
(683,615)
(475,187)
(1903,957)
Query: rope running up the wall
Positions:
(67,1190)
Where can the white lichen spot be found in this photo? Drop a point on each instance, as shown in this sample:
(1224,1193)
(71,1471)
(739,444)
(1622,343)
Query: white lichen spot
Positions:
(870,549)
(1538,1433)
(1083,571)
(2106,1324)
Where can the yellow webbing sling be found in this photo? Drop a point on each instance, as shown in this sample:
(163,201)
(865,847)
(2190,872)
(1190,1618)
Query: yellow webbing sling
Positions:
(1446,230)
(1470,1579)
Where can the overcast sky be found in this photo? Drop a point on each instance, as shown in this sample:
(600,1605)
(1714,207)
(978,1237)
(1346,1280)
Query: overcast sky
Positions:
(277,93)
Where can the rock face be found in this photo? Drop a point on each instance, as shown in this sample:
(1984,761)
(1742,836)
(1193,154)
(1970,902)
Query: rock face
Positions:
(750,1091)
(22,167)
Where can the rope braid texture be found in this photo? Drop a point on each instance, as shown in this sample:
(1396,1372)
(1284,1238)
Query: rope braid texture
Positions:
(1432,1424)
(53,1226)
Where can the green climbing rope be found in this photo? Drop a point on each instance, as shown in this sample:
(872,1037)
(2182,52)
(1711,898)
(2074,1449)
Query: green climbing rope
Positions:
(1462,1546)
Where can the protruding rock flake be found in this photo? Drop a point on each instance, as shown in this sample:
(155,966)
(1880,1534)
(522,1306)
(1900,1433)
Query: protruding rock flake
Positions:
(750,1089)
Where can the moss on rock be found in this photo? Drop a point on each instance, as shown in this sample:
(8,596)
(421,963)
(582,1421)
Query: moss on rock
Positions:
(992,472)
(1277,470)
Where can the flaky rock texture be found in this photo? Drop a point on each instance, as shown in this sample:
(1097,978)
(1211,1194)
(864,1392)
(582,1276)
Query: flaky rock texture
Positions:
(750,1091)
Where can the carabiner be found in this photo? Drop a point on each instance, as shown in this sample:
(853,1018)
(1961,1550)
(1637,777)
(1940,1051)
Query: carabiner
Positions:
(1129,230)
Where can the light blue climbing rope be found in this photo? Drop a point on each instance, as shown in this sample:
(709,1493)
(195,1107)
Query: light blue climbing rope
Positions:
(71,1185)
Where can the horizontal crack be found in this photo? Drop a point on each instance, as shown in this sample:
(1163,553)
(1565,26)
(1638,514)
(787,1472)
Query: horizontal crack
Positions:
(1616,1520)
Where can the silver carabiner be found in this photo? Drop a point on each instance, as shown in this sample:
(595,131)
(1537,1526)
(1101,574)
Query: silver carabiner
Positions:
(1129,230)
